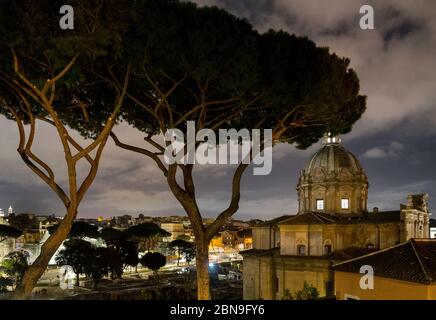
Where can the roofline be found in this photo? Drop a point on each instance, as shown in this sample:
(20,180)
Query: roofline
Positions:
(419,260)
(411,241)
(272,222)
(371,254)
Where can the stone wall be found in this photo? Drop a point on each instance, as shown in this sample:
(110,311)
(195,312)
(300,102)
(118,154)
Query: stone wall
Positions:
(316,237)
(293,272)
(258,276)
(266,237)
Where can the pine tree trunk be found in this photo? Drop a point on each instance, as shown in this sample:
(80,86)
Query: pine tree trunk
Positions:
(202,259)
(49,248)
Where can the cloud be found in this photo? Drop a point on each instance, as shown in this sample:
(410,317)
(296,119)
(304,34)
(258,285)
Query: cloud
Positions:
(375,153)
(393,150)
(391,198)
(395,62)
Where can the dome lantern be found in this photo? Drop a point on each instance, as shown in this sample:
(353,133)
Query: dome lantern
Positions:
(331,139)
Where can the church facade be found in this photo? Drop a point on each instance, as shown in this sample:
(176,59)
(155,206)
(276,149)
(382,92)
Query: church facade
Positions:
(332,225)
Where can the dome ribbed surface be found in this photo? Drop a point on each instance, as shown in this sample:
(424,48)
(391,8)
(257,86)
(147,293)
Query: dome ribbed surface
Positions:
(331,158)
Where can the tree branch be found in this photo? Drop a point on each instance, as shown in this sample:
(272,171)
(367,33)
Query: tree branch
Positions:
(152,155)
(103,137)
(21,150)
(51,82)
(104,134)
(213,228)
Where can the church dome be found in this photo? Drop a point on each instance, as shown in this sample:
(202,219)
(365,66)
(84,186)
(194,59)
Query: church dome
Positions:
(333,181)
(333,157)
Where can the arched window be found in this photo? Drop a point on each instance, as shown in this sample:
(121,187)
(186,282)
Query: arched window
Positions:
(301,250)
(345,203)
(319,204)
(327,248)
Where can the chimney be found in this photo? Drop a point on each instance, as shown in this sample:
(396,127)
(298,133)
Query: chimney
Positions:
(375,210)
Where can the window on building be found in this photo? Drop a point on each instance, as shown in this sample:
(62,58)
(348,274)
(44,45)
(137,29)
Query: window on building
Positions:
(319,204)
(345,204)
(329,289)
(327,248)
(277,285)
(301,249)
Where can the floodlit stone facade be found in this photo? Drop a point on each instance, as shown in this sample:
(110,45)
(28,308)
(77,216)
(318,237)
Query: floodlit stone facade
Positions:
(332,225)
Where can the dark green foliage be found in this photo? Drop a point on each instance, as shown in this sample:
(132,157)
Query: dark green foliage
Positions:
(82,229)
(113,236)
(287,295)
(126,251)
(184,237)
(246,80)
(14,264)
(97,262)
(146,235)
(123,254)
(9,232)
(111,259)
(146,230)
(184,248)
(5,283)
(178,243)
(34,25)
(97,265)
(153,261)
(189,253)
(129,254)
(207,47)
(296,74)
(76,253)
(79,229)
(31,29)
(308,292)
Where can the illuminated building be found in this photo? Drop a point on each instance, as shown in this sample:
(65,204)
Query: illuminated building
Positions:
(331,226)
(390,281)
(216,244)
(176,229)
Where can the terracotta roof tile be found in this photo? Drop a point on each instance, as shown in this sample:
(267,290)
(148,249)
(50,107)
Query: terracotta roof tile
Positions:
(413,261)
(273,222)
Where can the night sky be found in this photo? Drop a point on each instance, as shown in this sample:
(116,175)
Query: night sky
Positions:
(395,140)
